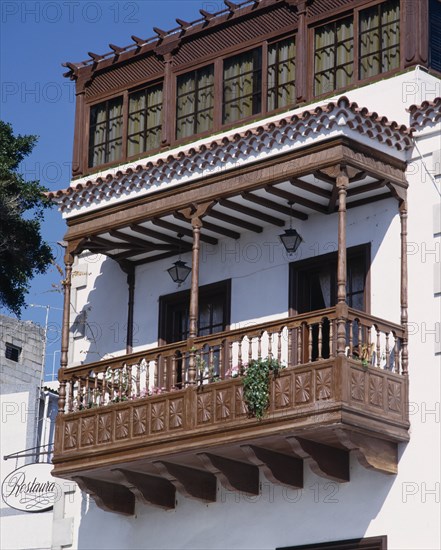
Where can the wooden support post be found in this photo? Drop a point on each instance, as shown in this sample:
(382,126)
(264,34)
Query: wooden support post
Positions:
(341,184)
(404,316)
(130,308)
(67,284)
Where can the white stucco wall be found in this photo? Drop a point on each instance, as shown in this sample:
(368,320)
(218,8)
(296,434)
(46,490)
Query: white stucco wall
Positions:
(405,507)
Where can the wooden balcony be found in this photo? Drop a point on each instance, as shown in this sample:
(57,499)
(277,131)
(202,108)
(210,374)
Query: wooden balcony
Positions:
(133,426)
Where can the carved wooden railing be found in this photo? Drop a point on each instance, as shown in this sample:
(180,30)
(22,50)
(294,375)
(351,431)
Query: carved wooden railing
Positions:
(292,341)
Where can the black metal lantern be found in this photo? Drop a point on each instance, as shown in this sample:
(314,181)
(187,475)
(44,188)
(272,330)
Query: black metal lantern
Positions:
(179,271)
(290,239)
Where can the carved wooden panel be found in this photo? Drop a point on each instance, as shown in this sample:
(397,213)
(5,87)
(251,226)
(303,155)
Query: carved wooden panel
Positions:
(376,397)
(394,396)
(323,383)
(139,420)
(105,426)
(240,408)
(122,424)
(357,385)
(283,392)
(223,404)
(303,387)
(87,431)
(70,439)
(204,412)
(176,413)
(157,412)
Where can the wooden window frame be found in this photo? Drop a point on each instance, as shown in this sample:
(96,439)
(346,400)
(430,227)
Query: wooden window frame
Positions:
(169,300)
(197,111)
(277,65)
(310,263)
(369,543)
(356,80)
(106,142)
(146,109)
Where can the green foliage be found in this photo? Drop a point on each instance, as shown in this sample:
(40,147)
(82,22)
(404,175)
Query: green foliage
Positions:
(23,253)
(256,385)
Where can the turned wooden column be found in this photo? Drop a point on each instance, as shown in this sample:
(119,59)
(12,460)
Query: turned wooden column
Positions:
(194,297)
(67,284)
(342,308)
(404,300)
(301,53)
(130,307)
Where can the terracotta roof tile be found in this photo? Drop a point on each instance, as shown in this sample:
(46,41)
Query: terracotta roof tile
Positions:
(429,112)
(242,145)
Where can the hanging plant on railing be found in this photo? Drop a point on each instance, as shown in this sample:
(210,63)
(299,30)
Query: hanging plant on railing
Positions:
(256,384)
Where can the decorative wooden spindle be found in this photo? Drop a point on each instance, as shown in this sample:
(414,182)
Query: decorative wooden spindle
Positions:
(138,379)
(378,348)
(112,384)
(95,390)
(299,344)
(279,346)
(240,352)
(320,339)
(147,376)
(309,343)
(230,357)
(387,352)
(71,395)
(259,346)
(221,368)
(174,372)
(211,366)
(250,349)
(270,345)
(331,338)
(360,338)
(156,372)
(351,338)
(164,370)
(397,355)
(290,357)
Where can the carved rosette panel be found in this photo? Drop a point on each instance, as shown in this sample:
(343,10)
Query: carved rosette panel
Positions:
(241,408)
(223,404)
(323,383)
(104,428)
(122,424)
(87,431)
(282,392)
(357,385)
(139,420)
(394,396)
(157,411)
(70,434)
(376,391)
(303,387)
(204,408)
(176,413)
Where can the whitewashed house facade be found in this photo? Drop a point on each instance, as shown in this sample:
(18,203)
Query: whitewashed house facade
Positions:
(203,145)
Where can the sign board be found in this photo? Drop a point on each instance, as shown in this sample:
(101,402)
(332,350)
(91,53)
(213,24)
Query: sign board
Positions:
(31,488)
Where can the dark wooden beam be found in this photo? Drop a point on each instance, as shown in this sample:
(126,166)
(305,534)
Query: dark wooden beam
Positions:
(235,221)
(213,227)
(150,489)
(191,482)
(251,212)
(262,201)
(325,461)
(108,496)
(234,475)
(156,258)
(368,200)
(365,188)
(295,199)
(279,468)
(372,453)
(184,230)
(105,243)
(140,243)
(161,236)
(333,199)
(310,188)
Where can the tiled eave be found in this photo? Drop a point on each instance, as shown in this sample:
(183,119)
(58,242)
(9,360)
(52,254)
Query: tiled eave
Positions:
(278,136)
(426,114)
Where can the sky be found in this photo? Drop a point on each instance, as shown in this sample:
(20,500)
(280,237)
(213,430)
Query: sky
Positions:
(36,37)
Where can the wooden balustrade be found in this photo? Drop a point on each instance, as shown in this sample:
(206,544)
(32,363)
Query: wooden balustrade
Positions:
(292,341)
